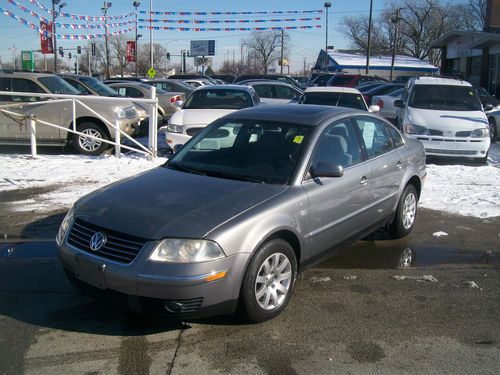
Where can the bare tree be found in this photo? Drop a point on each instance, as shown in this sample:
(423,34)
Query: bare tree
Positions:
(118,46)
(356,29)
(265,47)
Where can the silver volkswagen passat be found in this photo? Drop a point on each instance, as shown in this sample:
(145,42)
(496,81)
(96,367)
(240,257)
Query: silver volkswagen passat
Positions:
(254,198)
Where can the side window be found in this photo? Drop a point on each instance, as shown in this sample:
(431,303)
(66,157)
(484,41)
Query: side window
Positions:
(5,86)
(264,91)
(375,136)
(25,85)
(121,90)
(338,145)
(283,92)
(134,93)
(77,85)
(395,136)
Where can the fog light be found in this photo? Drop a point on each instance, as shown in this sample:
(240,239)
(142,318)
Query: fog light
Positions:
(173,307)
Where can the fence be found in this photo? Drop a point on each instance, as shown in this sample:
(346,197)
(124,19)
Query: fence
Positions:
(152,109)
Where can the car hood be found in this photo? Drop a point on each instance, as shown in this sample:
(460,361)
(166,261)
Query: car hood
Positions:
(167,203)
(448,120)
(198,116)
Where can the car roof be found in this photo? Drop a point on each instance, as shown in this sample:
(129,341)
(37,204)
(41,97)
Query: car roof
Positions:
(265,82)
(226,87)
(302,114)
(345,90)
(440,81)
(25,74)
(131,84)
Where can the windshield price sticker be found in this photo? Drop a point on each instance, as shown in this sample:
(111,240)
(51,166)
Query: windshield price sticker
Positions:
(298,139)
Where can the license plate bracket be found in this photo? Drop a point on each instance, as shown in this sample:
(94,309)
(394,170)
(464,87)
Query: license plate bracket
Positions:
(90,272)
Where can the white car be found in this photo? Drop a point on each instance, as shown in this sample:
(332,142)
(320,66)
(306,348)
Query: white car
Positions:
(386,104)
(205,105)
(336,96)
(197,82)
(494,121)
(275,92)
(446,115)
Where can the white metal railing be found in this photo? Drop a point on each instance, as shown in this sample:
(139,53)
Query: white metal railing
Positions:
(152,108)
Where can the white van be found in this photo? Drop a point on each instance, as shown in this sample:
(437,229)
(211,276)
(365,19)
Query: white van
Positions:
(446,115)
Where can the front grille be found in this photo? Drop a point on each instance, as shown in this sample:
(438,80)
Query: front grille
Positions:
(450,152)
(463,134)
(435,132)
(130,112)
(119,247)
(193,131)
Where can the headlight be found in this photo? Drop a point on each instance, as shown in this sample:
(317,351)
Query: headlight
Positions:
(416,129)
(66,223)
(172,128)
(186,251)
(119,112)
(480,133)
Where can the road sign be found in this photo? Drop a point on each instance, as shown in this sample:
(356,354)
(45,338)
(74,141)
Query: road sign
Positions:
(46,37)
(130,51)
(151,72)
(93,49)
(202,48)
(202,61)
(27,60)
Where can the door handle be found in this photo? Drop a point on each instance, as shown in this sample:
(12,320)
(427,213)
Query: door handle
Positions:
(399,165)
(364,180)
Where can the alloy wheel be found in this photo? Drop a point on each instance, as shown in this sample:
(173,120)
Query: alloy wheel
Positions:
(273,281)
(409,210)
(88,143)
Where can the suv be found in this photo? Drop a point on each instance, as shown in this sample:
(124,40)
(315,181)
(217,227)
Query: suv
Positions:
(14,130)
(446,115)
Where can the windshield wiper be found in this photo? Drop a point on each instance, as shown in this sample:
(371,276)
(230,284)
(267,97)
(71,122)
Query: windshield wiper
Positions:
(233,176)
(178,167)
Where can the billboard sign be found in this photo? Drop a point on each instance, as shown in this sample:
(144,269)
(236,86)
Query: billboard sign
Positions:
(27,60)
(130,51)
(202,48)
(46,37)
(200,61)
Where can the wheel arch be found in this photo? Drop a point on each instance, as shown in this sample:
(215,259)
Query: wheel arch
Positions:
(94,120)
(415,181)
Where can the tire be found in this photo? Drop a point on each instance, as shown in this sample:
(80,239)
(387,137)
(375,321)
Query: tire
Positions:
(406,213)
(261,298)
(89,146)
(493,129)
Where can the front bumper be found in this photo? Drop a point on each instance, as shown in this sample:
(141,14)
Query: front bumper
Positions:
(454,146)
(178,290)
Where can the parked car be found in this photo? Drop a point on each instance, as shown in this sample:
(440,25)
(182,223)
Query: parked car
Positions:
(446,115)
(92,86)
(205,105)
(386,104)
(336,96)
(321,79)
(171,85)
(126,79)
(274,77)
(195,83)
(486,98)
(168,102)
(387,88)
(352,80)
(14,130)
(256,197)
(275,92)
(227,78)
(494,123)
(369,85)
(183,77)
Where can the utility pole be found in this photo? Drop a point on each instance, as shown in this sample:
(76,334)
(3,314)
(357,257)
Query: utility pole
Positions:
(395,21)
(105,11)
(54,38)
(327,5)
(89,55)
(14,62)
(281,58)
(369,39)
(304,69)
(136,5)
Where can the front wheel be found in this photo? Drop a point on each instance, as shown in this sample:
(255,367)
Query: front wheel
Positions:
(87,145)
(405,213)
(269,281)
(493,129)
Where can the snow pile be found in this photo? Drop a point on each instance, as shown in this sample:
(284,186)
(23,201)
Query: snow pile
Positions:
(57,181)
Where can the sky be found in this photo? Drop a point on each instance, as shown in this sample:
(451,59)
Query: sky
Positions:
(303,46)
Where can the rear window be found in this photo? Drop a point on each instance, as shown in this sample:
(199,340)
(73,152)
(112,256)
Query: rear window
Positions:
(340,81)
(336,99)
(218,99)
(444,98)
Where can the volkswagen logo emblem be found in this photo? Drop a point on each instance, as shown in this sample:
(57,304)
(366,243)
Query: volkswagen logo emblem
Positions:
(97,241)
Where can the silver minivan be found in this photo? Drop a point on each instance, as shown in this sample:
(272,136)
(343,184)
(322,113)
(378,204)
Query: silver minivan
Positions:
(14,129)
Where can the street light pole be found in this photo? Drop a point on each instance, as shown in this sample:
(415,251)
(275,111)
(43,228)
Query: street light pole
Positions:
(369,38)
(327,5)
(54,38)
(281,58)
(395,21)
(105,8)
(136,5)
(151,32)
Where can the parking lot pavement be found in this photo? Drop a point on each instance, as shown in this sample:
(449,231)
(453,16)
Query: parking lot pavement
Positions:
(347,315)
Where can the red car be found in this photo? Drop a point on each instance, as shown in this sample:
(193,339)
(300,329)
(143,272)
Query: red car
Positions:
(352,80)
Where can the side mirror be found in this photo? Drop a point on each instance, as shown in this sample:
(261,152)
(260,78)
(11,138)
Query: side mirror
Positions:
(326,169)
(399,103)
(374,108)
(178,103)
(177,148)
(487,107)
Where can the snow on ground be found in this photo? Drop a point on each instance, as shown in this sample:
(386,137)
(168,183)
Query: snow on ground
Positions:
(57,181)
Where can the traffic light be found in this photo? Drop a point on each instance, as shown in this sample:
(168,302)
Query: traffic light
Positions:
(61,51)
(79,50)
(69,55)
(168,55)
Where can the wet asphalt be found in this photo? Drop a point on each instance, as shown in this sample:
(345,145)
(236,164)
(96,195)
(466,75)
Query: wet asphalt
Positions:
(348,315)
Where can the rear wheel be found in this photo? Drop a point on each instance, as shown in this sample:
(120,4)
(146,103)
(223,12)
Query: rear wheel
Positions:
(405,213)
(493,129)
(269,281)
(88,145)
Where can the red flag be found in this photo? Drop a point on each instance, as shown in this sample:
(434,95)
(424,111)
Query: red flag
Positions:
(130,51)
(46,37)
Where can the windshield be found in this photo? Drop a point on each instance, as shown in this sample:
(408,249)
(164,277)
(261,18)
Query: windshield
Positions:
(444,98)
(57,85)
(99,87)
(248,150)
(218,99)
(335,99)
